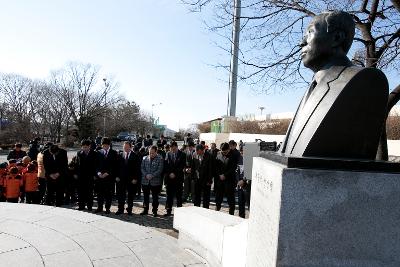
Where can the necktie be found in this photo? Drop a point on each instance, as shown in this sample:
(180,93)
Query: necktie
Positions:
(312,86)
(127,156)
(105,153)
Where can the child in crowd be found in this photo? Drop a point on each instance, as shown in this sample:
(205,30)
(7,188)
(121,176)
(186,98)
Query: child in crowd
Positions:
(13,184)
(26,160)
(12,163)
(20,167)
(31,185)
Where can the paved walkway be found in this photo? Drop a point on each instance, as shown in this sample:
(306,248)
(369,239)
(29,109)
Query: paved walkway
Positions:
(34,235)
(160,223)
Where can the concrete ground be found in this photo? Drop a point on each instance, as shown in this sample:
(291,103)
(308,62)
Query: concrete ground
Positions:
(35,235)
(160,223)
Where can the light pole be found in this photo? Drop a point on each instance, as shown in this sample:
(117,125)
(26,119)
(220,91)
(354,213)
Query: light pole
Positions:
(234,59)
(261,109)
(106,84)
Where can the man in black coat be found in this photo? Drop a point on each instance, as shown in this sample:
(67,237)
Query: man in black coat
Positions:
(235,154)
(55,163)
(86,160)
(175,162)
(107,171)
(225,176)
(188,189)
(148,142)
(161,142)
(128,179)
(17,153)
(202,176)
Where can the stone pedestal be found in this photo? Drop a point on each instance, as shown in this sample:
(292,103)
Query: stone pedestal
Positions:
(315,217)
(217,237)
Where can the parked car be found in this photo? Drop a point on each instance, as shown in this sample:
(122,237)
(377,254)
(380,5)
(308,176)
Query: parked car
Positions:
(125,136)
(122,136)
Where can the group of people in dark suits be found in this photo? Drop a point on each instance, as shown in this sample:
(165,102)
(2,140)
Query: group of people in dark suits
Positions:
(106,171)
(187,171)
(195,168)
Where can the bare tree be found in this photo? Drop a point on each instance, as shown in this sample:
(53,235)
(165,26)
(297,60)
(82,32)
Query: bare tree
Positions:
(272,31)
(204,127)
(16,94)
(83,95)
(50,113)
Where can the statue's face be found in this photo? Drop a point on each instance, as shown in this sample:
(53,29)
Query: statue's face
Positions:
(316,45)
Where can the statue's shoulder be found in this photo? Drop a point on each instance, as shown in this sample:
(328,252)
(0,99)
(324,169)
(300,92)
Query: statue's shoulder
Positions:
(356,72)
(355,76)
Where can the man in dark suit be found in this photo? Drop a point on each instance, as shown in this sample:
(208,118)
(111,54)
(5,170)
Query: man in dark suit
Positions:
(128,179)
(86,160)
(161,142)
(148,142)
(175,162)
(55,163)
(17,153)
(202,176)
(342,113)
(225,174)
(188,189)
(107,171)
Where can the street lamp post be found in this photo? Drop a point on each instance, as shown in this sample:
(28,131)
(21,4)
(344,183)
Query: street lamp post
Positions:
(261,109)
(106,84)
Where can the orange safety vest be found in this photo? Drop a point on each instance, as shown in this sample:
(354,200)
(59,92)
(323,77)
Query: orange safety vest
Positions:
(13,185)
(31,181)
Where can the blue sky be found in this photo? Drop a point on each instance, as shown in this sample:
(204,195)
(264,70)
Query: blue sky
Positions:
(156,49)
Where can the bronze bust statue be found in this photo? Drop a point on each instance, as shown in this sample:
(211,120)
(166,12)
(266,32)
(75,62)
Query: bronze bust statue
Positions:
(342,113)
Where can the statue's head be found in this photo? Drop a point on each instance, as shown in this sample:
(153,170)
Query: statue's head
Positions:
(329,36)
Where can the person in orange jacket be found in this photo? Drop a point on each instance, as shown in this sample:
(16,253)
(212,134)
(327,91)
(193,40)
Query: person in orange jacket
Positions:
(3,174)
(31,185)
(13,185)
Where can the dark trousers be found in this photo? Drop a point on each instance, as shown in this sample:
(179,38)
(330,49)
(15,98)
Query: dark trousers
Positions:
(105,191)
(12,200)
(32,197)
(122,188)
(202,190)
(139,188)
(55,192)
(187,186)
(2,196)
(226,189)
(22,195)
(155,192)
(42,189)
(85,192)
(244,198)
(70,190)
(174,190)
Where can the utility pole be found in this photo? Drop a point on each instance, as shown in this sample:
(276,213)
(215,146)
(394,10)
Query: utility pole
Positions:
(105,105)
(234,59)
